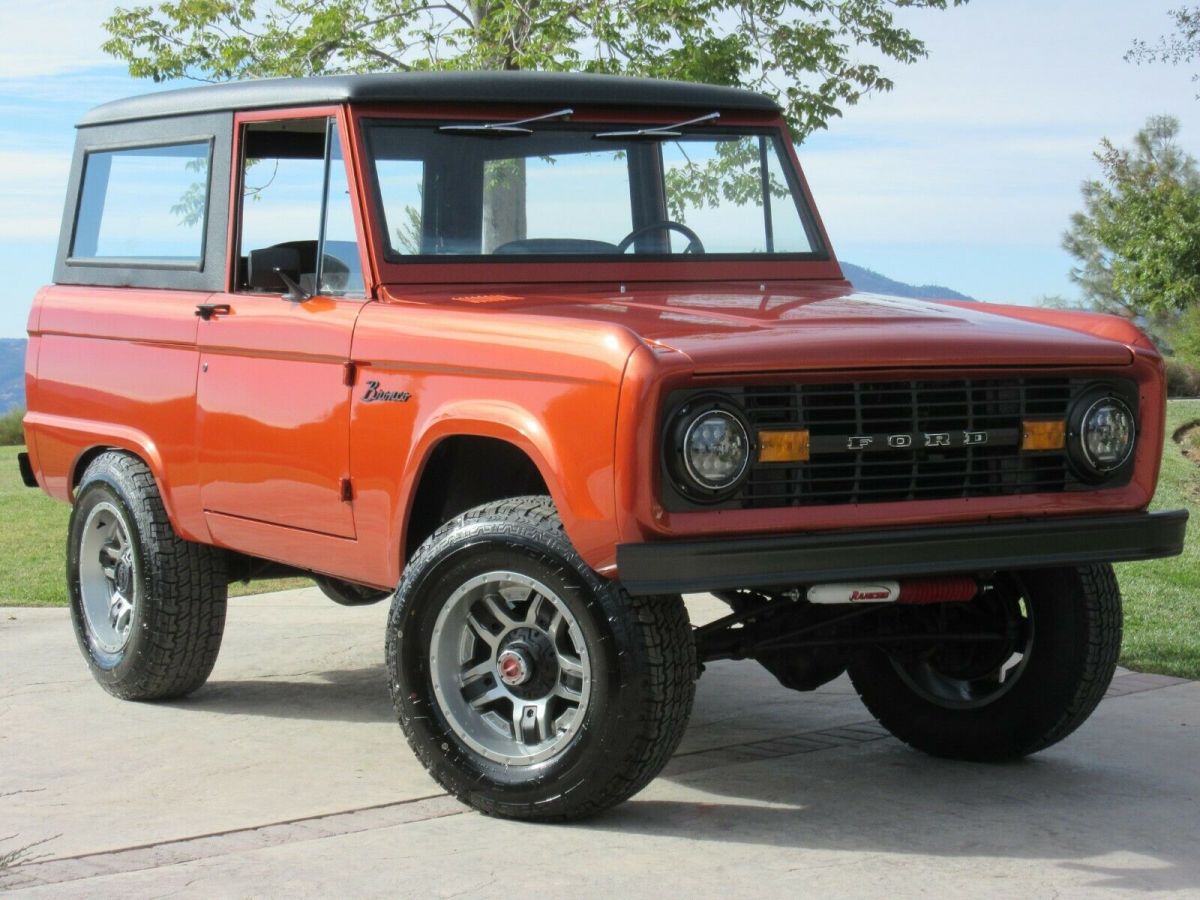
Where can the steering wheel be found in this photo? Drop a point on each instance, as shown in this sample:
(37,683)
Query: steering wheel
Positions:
(695,245)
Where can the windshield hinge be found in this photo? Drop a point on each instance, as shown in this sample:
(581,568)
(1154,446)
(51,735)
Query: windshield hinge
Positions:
(347,490)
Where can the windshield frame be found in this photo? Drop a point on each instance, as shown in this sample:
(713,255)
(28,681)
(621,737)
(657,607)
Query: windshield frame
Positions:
(576,268)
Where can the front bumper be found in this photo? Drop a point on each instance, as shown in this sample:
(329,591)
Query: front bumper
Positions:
(675,567)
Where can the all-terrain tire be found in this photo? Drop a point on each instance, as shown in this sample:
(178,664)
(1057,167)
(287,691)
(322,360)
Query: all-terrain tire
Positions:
(1076,616)
(172,632)
(642,654)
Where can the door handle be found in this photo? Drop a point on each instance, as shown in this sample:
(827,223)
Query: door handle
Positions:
(207,310)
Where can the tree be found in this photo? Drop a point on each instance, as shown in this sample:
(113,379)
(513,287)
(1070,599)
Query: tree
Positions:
(1180,48)
(1137,238)
(802,53)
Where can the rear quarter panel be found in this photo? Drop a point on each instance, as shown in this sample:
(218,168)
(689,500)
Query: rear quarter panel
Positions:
(116,367)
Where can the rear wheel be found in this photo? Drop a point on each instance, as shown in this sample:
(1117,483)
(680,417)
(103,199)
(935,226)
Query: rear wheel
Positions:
(527,685)
(993,700)
(148,607)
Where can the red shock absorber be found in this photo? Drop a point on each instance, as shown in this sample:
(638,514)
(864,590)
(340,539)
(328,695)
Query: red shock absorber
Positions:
(956,589)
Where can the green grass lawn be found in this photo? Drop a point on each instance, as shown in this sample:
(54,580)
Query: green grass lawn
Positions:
(33,536)
(1162,597)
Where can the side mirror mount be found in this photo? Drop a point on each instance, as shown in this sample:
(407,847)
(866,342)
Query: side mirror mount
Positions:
(276,269)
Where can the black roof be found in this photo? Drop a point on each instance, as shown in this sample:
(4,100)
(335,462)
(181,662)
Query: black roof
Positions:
(430,87)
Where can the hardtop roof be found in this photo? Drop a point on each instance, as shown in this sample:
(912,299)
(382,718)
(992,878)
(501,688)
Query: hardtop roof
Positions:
(430,87)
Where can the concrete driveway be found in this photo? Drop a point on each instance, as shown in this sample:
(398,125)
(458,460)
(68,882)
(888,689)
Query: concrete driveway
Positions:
(287,776)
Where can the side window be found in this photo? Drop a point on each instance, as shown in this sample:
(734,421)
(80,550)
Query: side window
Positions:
(144,205)
(297,222)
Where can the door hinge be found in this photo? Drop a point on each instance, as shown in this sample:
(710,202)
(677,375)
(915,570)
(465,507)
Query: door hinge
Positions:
(349,374)
(347,490)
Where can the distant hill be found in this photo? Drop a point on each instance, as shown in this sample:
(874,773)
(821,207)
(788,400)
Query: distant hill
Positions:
(12,351)
(873,283)
(12,373)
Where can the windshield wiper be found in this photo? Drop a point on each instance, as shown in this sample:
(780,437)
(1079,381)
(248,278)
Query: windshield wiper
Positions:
(658,132)
(506,128)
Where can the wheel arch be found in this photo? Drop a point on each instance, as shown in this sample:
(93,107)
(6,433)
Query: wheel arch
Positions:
(143,452)
(465,463)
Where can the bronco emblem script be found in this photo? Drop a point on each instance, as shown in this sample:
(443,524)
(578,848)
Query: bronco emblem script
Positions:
(373,394)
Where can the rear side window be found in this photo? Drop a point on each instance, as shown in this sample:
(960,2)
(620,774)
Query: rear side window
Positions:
(145,205)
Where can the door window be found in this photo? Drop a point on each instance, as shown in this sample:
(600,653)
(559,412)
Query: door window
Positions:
(297,224)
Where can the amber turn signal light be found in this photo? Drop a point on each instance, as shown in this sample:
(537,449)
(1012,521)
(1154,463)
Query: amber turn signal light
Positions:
(782,446)
(1043,435)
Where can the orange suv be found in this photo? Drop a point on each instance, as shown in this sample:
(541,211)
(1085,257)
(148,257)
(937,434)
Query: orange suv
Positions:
(534,355)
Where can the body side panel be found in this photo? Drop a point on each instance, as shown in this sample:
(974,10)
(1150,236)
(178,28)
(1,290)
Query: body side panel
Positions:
(117,367)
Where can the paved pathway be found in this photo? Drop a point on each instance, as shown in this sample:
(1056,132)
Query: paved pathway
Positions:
(287,776)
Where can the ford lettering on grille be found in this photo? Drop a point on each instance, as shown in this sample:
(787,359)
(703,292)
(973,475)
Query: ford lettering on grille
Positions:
(918,439)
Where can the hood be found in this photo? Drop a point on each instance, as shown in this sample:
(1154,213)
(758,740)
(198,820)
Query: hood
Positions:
(810,325)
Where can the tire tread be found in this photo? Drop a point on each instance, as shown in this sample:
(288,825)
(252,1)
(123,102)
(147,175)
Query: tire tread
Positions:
(184,592)
(1094,610)
(667,648)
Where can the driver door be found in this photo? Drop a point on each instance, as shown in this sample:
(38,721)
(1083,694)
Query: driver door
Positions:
(272,397)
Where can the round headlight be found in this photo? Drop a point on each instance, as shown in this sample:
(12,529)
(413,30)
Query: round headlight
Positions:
(1106,434)
(707,448)
(714,449)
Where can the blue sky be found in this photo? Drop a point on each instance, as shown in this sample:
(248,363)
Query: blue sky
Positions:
(965,175)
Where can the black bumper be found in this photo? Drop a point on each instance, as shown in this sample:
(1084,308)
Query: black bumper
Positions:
(674,567)
(26,468)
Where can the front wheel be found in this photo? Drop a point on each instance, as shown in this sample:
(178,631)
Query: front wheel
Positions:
(528,686)
(1007,698)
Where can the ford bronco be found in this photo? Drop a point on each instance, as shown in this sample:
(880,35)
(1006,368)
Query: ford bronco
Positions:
(534,355)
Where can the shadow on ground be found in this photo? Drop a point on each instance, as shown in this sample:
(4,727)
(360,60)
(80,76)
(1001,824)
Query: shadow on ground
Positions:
(877,796)
(345,695)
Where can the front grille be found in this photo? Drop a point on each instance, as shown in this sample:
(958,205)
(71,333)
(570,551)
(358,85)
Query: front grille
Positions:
(887,411)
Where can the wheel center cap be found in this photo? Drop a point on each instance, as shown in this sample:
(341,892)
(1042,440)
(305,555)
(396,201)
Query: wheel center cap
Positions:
(514,667)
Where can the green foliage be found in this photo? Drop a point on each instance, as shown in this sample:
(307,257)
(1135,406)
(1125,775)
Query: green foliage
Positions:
(1137,238)
(11,432)
(1180,48)
(190,208)
(1183,380)
(802,53)
(734,174)
(1184,336)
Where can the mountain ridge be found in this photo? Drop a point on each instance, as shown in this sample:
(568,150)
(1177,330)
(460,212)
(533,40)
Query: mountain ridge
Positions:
(871,282)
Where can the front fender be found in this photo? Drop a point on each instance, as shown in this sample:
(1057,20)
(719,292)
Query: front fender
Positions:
(570,449)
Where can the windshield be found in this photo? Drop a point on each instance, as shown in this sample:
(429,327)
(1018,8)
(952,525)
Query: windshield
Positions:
(566,190)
